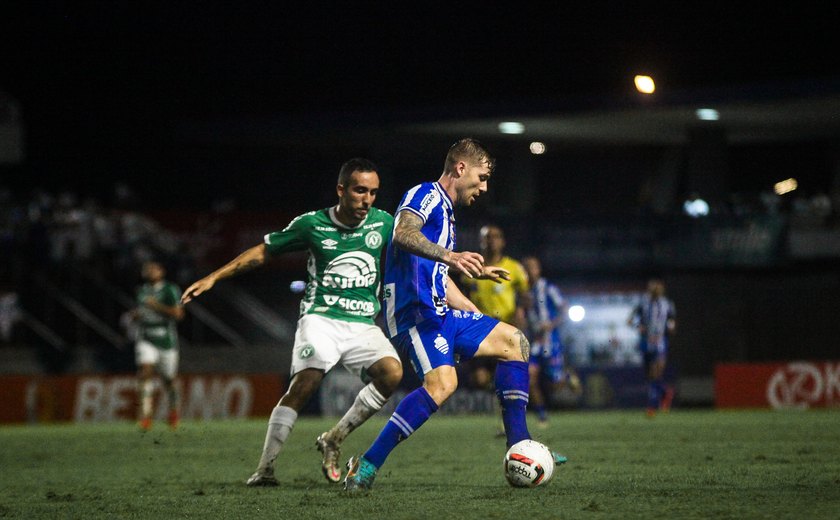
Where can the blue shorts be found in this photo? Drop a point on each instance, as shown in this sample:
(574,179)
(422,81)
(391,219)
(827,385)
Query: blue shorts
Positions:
(652,354)
(444,340)
(549,360)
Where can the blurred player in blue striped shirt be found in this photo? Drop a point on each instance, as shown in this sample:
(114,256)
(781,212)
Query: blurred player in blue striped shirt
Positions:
(546,312)
(655,317)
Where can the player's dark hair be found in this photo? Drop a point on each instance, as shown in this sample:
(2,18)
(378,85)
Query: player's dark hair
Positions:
(356,164)
(471,150)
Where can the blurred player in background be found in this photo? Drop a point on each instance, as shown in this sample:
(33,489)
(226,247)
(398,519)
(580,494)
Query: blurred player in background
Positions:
(505,302)
(340,303)
(156,349)
(432,321)
(655,318)
(546,313)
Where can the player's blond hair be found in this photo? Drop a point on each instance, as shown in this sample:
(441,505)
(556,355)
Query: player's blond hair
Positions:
(468,150)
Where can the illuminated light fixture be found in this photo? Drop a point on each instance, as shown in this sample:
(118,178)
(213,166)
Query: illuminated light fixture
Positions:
(537,148)
(576,313)
(785,186)
(707,114)
(511,127)
(644,84)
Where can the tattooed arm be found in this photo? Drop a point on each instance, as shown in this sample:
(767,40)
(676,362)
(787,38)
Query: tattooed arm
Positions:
(246,261)
(409,237)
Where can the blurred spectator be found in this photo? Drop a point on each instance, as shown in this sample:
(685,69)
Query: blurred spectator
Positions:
(821,206)
(771,202)
(9,313)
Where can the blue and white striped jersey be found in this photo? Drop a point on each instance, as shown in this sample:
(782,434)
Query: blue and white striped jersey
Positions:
(546,304)
(415,287)
(653,314)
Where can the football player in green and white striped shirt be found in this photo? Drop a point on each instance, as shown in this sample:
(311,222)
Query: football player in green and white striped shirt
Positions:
(337,311)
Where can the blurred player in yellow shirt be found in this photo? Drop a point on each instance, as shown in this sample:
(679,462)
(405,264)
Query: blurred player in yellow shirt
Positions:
(505,301)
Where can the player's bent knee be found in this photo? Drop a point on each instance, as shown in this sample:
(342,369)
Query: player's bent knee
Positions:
(518,347)
(387,375)
(441,383)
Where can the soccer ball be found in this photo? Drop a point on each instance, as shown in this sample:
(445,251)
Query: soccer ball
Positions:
(528,464)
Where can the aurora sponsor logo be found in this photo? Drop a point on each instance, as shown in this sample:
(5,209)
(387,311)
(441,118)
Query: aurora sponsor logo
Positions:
(349,270)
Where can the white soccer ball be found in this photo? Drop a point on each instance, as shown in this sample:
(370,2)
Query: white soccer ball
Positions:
(528,464)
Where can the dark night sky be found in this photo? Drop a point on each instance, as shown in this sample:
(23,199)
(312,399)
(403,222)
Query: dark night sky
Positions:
(111,77)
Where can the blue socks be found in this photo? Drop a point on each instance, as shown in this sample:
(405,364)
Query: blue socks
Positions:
(411,413)
(656,389)
(416,408)
(512,390)
(542,414)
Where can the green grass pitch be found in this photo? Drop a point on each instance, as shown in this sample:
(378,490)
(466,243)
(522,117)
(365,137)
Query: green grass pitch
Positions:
(688,464)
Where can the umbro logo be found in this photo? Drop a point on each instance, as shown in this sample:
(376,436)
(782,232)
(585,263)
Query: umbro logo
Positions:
(329,243)
(330,299)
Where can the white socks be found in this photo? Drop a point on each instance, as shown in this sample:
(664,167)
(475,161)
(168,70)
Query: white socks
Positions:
(147,388)
(279,426)
(368,402)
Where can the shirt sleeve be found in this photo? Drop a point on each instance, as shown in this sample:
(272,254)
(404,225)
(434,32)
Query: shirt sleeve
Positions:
(421,201)
(172,295)
(388,227)
(518,278)
(292,238)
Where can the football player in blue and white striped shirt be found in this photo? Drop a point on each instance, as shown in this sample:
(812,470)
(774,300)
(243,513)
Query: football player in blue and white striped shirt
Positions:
(656,319)
(430,320)
(546,312)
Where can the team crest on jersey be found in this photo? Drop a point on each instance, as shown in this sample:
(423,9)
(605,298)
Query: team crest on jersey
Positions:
(349,270)
(373,240)
(307,351)
(329,243)
(442,345)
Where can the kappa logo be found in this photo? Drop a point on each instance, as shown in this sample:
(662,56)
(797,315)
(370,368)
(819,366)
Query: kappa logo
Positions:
(329,243)
(373,240)
(442,345)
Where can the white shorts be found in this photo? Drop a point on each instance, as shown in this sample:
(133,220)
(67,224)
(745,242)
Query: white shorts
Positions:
(322,343)
(164,360)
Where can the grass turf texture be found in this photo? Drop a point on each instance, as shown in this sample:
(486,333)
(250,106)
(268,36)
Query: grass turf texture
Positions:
(688,464)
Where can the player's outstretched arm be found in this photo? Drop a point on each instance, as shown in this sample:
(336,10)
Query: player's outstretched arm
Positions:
(409,237)
(496,274)
(246,261)
(457,299)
